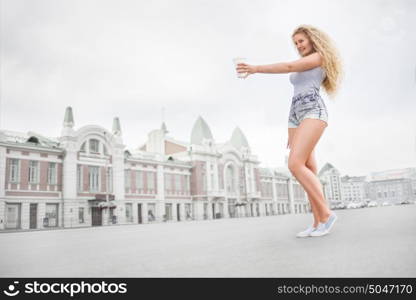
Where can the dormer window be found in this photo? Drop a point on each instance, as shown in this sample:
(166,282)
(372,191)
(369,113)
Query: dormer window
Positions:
(33,139)
(94,146)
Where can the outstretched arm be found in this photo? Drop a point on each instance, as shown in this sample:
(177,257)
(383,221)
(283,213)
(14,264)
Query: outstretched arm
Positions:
(305,63)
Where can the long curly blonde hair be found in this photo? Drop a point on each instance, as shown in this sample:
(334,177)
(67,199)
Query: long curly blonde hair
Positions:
(332,64)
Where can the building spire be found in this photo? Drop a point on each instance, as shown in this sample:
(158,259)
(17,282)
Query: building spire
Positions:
(164,128)
(69,118)
(116,126)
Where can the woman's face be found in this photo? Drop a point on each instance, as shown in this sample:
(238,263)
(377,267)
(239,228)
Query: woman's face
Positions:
(303,44)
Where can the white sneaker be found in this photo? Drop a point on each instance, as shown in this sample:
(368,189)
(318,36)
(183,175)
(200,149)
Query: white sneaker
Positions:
(330,222)
(320,230)
(306,232)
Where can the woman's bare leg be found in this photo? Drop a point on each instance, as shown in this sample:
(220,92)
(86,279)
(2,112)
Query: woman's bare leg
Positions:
(303,142)
(312,165)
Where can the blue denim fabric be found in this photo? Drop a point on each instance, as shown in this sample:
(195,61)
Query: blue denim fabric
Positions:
(307,105)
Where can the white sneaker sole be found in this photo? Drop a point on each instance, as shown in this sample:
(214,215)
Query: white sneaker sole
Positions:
(320,234)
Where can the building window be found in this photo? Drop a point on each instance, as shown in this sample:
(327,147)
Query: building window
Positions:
(81,215)
(33,172)
(139,180)
(204,181)
(168,182)
(94,179)
(150,180)
(129,214)
(127,179)
(188,184)
(94,146)
(52,173)
(230,179)
(247,171)
(177,182)
(14,170)
(83,147)
(110,180)
(79,178)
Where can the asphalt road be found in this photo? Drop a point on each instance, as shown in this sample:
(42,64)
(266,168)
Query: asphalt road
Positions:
(369,242)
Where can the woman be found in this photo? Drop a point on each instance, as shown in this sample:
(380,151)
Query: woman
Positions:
(319,65)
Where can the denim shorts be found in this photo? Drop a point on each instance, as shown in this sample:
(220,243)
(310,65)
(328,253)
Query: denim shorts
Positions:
(308,104)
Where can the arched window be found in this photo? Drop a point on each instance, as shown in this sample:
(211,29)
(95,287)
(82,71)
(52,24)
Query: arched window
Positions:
(33,139)
(94,146)
(83,147)
(230,178)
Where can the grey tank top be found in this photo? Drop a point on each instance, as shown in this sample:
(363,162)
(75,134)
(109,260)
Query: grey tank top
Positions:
(307,80)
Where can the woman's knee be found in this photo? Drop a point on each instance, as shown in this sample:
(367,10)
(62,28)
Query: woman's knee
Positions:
(312,167)
(294,164)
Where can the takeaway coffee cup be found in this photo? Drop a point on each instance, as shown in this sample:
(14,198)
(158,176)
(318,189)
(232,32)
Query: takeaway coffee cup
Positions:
(237,61)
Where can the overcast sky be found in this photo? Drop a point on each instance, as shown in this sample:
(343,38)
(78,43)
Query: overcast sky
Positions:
(132,58)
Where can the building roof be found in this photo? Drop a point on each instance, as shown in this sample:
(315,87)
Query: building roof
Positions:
(325,168)
(353,178)
(238,139)
(116,126)
(394,173)
(29,138)
(404,179)
(164,128)
(200,131)
(69,117)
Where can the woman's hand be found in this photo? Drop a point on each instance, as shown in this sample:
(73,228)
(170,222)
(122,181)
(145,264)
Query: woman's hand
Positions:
(245,68)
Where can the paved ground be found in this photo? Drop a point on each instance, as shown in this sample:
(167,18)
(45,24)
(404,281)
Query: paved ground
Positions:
(369,242)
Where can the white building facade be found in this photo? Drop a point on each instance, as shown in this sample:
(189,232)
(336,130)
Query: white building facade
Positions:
(355,189)
(88,177)
(331,181)
(393,186)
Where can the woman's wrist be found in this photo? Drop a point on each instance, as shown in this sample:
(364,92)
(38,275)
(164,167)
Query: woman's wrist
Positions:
(256,69)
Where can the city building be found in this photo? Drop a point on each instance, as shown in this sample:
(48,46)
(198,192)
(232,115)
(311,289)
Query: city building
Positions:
(88,177)
(391,191)
(354,189)
(331,181)
(393,186)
